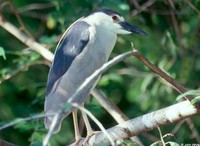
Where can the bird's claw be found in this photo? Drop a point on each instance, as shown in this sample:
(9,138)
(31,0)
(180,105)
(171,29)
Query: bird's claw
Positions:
(78,141)
(89,135)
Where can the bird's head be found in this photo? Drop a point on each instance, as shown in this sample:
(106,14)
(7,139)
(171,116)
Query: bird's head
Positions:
(113,21)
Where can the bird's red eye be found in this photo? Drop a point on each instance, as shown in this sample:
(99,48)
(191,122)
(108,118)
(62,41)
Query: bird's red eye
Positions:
(115,18)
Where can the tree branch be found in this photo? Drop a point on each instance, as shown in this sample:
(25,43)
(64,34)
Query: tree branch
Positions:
(113,110)
(146,122)
(143,7)
(20,120)
(110,107)
(5,143)
(161,73)
(25,39)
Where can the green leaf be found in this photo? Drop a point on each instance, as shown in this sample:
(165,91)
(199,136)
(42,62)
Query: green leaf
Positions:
(130,143)
(155,143)
(36,136)
(190,92)
(195,100)
(171,143)
(36,144)
(95,109)
(24,126)
(2,53)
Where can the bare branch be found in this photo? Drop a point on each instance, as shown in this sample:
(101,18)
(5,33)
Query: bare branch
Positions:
(25,39)
(36,6)
(161,73)
(21,68)
(23,27)
(5,143)
(194,131)
(20,120)
(143,7)
(110,107)
(192,6)
(52,127)
(135,3)
(175,22)
(147,122)
(113,110)
(161,136)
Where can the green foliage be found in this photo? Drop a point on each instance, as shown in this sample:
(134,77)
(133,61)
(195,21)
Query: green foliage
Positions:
(190,92)
(173,45)
(129,143)
(2,53)
(36,144)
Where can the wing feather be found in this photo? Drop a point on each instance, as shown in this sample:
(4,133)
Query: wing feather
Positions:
(71,45)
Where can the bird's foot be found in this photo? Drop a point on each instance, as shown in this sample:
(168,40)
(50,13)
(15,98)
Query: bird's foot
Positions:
(78,141)
(89,135)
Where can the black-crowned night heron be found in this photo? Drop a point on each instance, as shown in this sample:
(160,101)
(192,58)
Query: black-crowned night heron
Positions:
(85,46)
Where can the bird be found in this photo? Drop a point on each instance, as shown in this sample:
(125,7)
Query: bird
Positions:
(84,47)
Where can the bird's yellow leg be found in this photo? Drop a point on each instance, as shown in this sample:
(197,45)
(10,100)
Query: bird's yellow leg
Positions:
(76,128)
(90,132)
(87,124)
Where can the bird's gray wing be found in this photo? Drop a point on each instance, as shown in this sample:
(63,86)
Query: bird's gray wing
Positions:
(70,46)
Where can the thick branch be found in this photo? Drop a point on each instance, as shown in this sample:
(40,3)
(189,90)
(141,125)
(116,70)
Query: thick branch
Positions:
(146,122)
(25,39)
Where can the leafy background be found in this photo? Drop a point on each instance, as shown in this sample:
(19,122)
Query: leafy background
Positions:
(173,45)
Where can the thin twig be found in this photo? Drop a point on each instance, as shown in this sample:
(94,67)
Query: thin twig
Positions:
(36,6)
(161,73)
(5,143)
(174,21)
(113,110)
(161,137)
(177,127)
(192,6)
(143,7)
(135,3)
(21,68)
(194,131)
(165,12)
(110,107)
(150,137)
(20,120)
(37,15)
(56,119)
(15,12)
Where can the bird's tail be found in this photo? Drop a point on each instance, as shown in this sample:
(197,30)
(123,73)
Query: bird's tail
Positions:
(48,121)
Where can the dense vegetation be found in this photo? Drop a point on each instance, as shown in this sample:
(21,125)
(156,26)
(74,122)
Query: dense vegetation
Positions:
(173,45)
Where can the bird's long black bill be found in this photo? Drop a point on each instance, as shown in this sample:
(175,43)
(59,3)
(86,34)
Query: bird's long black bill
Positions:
(132,28)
